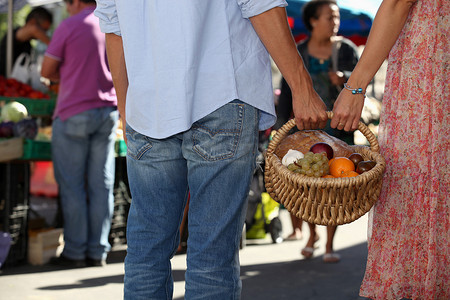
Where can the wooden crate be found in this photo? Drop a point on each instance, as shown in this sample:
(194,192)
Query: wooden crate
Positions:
(11,149)
(25,149)
(44,244)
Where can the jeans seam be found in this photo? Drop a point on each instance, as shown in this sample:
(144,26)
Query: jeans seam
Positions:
(237,132)
(140,152)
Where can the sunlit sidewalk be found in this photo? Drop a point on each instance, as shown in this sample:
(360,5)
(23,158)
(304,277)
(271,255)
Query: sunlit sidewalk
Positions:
(269,272)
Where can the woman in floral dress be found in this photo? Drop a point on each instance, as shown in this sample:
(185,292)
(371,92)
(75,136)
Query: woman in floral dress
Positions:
(409,234)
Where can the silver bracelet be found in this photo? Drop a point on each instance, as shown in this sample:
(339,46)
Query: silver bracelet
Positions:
(354,91)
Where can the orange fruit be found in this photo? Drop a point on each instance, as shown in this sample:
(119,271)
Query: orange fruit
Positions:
(330,161)
(350,174)
(340,165)
(328,176)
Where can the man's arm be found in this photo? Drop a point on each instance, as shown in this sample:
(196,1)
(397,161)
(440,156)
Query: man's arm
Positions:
(116,60)
(273,30)
(32,31)
(50,68)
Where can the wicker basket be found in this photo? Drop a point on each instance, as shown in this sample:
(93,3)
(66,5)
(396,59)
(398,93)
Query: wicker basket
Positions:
(325,201)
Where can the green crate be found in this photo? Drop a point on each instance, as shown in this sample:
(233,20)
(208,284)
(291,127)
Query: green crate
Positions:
(35,107)
(37,150)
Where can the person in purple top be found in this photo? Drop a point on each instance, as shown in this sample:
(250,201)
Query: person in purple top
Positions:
(84,130)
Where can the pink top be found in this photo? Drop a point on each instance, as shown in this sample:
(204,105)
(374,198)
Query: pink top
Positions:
(86,81)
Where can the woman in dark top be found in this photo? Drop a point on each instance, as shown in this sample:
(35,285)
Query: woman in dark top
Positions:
(329,60)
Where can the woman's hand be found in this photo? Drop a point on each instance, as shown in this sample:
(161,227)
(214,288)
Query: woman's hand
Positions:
(347,111)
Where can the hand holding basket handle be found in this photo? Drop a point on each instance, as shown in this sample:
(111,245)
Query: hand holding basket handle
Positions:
(325,201)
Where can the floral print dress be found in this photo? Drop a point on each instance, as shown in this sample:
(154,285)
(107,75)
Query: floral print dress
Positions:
(409,230)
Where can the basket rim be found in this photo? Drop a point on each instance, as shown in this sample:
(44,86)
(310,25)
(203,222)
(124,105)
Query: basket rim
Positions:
(284,131)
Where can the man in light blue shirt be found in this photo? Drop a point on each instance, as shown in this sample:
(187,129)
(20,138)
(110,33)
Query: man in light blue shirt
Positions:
(193,82)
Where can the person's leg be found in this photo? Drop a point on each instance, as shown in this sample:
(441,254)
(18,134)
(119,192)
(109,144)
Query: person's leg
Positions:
(100,177)
(296,228)
(330,256)
(308,251)
(157,176)
(331,231)
(221,151)
(69,153)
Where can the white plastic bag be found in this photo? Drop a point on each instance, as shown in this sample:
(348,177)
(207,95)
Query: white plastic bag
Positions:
(35,75)
(21,68)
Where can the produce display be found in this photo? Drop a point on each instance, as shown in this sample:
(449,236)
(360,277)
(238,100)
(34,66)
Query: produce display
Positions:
(13,88)
(16,123)
(330,159)
(21,128)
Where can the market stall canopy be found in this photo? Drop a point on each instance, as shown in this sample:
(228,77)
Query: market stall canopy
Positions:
(18,4)
(355,25)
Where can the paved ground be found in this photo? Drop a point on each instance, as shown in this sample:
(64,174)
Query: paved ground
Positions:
(269,272)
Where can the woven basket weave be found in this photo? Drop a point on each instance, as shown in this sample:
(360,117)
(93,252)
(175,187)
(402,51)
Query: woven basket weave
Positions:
(324,201)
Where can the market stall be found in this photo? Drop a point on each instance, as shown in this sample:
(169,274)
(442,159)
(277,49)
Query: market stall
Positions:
(25,147)
(23,111)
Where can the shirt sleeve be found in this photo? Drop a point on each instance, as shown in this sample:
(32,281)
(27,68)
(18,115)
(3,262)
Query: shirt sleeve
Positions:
(107,14)
(57,45)
(252,8)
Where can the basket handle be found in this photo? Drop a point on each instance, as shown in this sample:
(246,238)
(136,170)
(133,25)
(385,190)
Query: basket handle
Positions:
(284,130)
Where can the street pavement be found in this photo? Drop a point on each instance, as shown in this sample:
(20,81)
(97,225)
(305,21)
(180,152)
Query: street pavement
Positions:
(268,271)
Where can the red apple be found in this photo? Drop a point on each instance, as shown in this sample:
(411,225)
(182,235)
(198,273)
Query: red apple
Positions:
(322,148)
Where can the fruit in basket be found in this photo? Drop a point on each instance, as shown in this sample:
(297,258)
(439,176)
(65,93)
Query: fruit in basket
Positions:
(349,174)
(26,128)
(365,166)
(291,156)
(304,139)
(6,129)
(14,111)
(340,165)
(312,165)
(322,148)
(356,158)
(328,176)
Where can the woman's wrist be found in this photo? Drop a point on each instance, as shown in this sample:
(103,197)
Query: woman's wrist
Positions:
(354,90)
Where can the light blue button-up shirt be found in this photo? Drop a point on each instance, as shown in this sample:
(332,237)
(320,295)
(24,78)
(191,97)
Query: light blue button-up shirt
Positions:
(186,59)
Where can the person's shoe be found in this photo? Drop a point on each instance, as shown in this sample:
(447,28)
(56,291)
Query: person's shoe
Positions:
(307,252)
(66,262)
(331,257)
(95,262)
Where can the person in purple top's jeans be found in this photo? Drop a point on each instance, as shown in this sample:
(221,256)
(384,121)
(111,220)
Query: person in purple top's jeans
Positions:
(84,126)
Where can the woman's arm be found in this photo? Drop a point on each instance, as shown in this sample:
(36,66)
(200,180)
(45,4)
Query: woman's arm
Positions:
(386,28)
(116,60)
(273,30)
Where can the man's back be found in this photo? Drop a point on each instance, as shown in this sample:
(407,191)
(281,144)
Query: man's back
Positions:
(85,78)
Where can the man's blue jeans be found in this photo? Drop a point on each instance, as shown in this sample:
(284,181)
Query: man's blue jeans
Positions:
(84,163)
(214,162)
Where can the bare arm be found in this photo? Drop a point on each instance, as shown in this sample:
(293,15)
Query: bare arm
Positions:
(116,60)
(32,31)
(273,30)
(50,68)
(386,28)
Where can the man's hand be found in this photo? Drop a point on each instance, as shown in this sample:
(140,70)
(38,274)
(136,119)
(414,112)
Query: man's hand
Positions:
(309,110)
